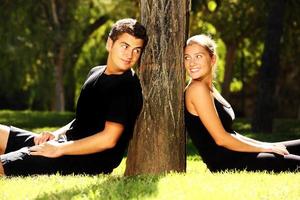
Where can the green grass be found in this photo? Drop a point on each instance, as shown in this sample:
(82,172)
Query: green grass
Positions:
(196,183)
(37,120)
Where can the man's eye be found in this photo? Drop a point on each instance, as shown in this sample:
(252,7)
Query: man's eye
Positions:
(137,51)
(124,46)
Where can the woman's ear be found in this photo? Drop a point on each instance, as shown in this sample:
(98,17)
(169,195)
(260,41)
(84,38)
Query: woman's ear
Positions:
(109,44)
(213,60)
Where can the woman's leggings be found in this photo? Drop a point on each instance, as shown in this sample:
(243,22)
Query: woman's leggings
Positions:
(266,161)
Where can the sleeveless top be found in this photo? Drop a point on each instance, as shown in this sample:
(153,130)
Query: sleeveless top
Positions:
(211,153)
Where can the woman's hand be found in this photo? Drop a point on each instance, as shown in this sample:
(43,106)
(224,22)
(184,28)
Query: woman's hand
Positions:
(276,148)
(43,137)
(49,149)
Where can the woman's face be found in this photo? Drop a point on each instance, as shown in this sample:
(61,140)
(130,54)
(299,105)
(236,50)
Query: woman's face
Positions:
(197,61)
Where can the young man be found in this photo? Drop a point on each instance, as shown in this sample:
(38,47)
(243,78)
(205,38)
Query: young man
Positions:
(107,108)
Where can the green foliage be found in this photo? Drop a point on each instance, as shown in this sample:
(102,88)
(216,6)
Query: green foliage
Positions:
(238,23)
(28,38)
(30,41)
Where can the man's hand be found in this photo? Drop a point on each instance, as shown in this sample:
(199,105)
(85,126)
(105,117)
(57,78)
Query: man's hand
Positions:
(49,149)
(43,137)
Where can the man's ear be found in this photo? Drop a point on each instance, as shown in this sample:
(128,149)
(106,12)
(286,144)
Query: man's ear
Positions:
(109,44)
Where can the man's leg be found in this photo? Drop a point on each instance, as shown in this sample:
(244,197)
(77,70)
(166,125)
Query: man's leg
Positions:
(4,133)
(12,143)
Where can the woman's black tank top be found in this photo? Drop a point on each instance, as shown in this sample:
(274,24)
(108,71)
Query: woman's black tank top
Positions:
(205,144)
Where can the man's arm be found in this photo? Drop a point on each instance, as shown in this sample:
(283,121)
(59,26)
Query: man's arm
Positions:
(47,135)
(98,142)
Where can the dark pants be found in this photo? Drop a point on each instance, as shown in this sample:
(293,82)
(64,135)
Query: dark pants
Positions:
(261,161)
(23,164)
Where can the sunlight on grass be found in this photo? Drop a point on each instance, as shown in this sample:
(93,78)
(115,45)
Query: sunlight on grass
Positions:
(196,183)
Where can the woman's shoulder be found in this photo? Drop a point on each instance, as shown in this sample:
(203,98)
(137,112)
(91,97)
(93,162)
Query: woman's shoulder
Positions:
(197,88)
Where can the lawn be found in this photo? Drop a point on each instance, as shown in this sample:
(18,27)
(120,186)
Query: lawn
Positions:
(196,183)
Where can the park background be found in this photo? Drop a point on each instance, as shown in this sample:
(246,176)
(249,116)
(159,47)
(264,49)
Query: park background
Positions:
(48,47)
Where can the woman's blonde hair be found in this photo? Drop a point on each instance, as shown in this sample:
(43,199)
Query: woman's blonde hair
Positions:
(208,43)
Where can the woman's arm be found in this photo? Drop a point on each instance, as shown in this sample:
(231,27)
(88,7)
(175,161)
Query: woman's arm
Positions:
(201,99)
(244,138)
(257,142)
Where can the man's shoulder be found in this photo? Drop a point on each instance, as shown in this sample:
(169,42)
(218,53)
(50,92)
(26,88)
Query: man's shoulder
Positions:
(129,78)
(100,68)
(134,76)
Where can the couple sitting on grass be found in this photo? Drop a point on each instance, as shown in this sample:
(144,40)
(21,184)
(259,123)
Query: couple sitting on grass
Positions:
(109,104)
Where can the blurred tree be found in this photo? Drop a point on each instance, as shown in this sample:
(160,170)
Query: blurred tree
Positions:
(268,73)
(287,91)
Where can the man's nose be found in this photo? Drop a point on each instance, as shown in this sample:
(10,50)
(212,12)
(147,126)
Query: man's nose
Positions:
(128,54)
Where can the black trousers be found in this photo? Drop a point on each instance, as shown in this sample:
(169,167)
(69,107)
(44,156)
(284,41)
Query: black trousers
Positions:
(21,163)
(261,161)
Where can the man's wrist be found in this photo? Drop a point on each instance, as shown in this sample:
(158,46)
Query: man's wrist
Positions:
(63,148)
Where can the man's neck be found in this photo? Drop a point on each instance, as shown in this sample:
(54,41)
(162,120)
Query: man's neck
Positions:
(110,70)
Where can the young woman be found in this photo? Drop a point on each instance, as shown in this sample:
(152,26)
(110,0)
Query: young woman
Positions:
(208,118)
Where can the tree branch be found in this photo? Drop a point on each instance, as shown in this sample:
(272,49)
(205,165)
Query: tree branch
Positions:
(86,33)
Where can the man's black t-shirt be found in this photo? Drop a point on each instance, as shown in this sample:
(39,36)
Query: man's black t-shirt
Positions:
(115,98)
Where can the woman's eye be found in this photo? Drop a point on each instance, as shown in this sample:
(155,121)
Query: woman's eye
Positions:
(199,56)
(187,58)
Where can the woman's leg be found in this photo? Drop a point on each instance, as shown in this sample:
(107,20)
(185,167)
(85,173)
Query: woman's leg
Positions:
(293,146)
(271,162)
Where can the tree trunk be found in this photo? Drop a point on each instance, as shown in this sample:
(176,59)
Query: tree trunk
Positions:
(58,14)
(59,104)
(158,144)
(265,103)
(228,72)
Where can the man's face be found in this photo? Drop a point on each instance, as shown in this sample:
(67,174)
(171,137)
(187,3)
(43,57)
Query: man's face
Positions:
(123,53)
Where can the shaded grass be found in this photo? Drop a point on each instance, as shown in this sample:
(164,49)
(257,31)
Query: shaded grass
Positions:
(196,183)
(35,119)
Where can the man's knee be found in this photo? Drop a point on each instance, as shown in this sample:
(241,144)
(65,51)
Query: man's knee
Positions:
(1,170)
(4,133)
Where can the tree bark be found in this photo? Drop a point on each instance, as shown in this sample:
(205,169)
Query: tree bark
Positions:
(158,143)
(265,104)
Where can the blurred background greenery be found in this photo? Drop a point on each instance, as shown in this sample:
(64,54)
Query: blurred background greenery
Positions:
(48,47)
